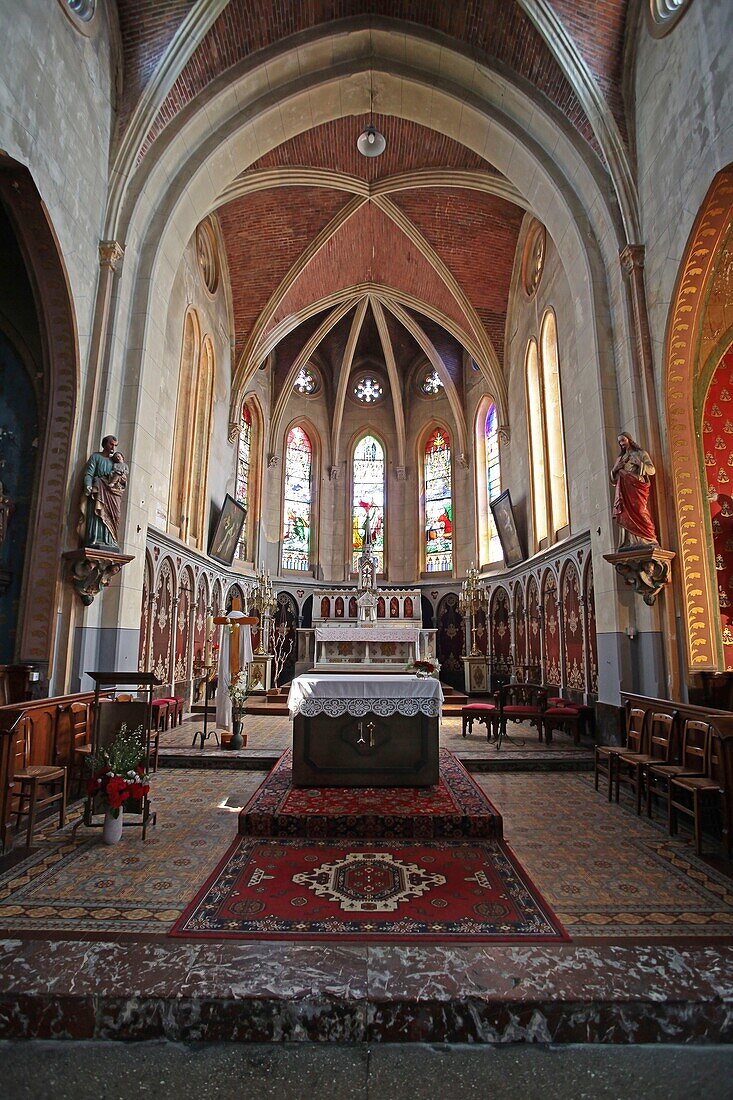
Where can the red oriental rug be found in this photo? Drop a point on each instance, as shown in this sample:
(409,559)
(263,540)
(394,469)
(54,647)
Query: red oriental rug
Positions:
(382,890)
(457,807)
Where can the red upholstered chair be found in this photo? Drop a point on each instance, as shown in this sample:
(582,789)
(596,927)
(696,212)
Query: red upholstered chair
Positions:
(161,713)
(480,712)
(562,714)
(175,710)
(521,703)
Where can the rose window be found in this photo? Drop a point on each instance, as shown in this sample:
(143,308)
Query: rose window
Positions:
(431,384)
(306,383)
(368,390)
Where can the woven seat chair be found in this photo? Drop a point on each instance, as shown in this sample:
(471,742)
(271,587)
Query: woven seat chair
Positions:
(605,755)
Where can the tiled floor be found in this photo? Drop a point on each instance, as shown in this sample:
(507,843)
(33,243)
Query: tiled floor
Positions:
(606,872)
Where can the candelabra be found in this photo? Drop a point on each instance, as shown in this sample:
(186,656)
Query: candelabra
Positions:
(262,599)
(473,597)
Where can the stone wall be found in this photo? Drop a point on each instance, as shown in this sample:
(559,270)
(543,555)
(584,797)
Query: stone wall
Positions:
(682,116)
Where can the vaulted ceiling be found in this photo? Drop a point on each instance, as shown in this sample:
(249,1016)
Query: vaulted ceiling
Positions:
(413,250)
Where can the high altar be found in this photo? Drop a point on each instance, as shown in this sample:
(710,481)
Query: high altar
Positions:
(365,627)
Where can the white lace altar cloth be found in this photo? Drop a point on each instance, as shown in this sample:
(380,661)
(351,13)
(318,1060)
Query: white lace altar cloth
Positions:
(335,695)
(347,633)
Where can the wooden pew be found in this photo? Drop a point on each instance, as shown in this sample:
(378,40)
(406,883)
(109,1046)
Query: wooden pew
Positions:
(53,735)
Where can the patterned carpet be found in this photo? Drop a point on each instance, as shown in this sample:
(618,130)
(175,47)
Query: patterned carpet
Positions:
(604,871)
(451,891)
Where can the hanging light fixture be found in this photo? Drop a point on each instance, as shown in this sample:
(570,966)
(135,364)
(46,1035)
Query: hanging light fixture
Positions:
(370,142)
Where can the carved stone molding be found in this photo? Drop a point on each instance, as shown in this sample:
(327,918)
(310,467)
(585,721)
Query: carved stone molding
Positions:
(272,461)
(335,473)
(111,254)
(92,570)
(647,570)
(400,473)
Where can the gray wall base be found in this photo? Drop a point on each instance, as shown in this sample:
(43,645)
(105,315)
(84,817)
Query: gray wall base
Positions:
(102,649)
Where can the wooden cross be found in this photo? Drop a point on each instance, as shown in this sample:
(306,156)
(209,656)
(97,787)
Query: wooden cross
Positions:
(234,625)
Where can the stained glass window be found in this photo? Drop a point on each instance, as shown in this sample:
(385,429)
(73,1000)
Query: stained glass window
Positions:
(431,383)
(297,500)
(493,478)
(547,448)
(368,489)
(241,492)
(368,390)
(438,503)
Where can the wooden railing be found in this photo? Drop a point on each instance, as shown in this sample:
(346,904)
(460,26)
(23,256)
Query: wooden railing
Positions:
(51,730)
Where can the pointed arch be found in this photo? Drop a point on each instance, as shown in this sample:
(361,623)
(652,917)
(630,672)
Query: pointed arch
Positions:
(573,630)
(488,480)
(182,457)
(146,618)
(549,489)
(368,483)
(435,463)
(299,510)
(248,476)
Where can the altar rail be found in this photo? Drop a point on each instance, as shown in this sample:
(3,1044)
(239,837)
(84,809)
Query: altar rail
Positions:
(53,732)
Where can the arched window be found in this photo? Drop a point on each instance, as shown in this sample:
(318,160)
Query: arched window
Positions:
(201,436)
(244,457)
(546,440)
(553,422)
(493,478)
(437,487)
(297,500)
(367,489)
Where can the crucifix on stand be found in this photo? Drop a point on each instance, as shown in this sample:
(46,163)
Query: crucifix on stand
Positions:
(235,653)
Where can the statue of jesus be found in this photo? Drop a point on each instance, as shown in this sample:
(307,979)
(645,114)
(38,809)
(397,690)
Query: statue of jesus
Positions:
(631,474)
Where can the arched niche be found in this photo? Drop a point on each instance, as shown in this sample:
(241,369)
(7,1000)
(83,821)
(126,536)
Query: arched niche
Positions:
(51,509)
(699,330)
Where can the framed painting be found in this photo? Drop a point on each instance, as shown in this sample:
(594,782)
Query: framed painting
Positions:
(228,530)
(506,528)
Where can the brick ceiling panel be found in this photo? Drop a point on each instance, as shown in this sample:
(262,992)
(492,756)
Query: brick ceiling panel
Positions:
(498,30)
(476,237)
(146,30)
(290,346)
(265,233)
(598,31)
(449,350)
(369,248)
(410,146)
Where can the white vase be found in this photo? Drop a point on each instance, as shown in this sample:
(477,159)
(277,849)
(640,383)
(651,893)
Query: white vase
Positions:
(112,831)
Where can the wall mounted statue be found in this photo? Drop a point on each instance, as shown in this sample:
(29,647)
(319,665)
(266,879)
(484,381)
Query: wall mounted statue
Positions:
(105,481)
(631,474)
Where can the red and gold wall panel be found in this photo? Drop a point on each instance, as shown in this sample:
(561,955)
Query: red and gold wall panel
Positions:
(590,612)
(552,631)
(183,627)
(501,638)
(533,624)
(449,640)
(160,638)
(481,631)
(199,626)
(717,442)
(572,629)
(143,654)
(520,626)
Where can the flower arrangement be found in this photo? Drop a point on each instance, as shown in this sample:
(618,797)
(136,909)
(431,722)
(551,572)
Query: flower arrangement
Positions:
(117,774)
(424,667)
(238,690)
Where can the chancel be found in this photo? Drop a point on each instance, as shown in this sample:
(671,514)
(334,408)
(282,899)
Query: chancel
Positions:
(366,389)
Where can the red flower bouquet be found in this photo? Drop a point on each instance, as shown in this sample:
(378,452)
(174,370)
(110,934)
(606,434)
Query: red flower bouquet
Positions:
(118,776)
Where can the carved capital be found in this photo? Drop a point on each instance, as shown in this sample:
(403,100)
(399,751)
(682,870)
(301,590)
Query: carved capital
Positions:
(505,434)
(646,569)
(111,254)
(463,461)
(632,258)
(400,473)
(92,570)
(335,473)
(272,460)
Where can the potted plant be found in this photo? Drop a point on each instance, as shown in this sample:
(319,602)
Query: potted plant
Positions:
(118,777)
(238,690)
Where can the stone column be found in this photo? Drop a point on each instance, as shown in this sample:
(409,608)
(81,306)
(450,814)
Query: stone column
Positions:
(632,262)
(111,254)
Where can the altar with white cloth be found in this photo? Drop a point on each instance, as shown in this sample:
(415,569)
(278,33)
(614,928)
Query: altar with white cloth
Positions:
(352,730)
(382,644)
